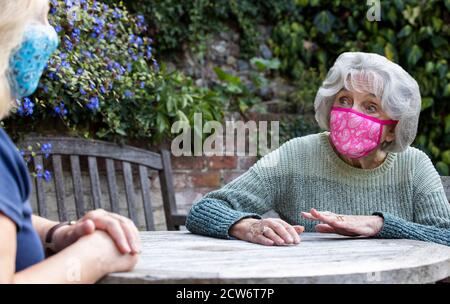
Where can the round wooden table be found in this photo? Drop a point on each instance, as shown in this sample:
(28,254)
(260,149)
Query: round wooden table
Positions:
(182,257)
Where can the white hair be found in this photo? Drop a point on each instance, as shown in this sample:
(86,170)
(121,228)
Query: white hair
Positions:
(373,73)
(14,15)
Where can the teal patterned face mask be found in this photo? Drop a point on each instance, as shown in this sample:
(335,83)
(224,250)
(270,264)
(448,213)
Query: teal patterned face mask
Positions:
(27,63)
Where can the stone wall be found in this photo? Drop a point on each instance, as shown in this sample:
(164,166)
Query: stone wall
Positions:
(196,176)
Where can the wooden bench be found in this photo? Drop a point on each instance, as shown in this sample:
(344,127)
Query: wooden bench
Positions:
(131,159)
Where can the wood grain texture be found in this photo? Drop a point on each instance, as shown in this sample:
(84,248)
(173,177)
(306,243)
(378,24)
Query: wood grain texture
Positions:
(40,191)
(95,183)
(59,187)
(77,185)
(84,147)
(181,257)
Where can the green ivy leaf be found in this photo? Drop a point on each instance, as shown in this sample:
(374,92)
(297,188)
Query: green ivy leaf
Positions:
(324,21)
(442,168)
(426,103)
(414,55)
(446,92)
(446,157)
(265,64)
(447,124)
(390,52)
(405,32)
(120,131)
(447,4)
(227,77)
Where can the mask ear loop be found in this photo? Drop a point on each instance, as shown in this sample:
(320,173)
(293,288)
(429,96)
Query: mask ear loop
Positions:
(386,143)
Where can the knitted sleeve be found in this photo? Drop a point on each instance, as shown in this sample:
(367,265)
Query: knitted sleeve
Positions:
(431,209)
(249,195)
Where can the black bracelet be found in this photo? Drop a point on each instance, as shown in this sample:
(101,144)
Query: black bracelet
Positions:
(49,246)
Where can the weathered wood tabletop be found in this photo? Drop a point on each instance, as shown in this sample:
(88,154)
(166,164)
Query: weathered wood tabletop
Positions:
(181,257)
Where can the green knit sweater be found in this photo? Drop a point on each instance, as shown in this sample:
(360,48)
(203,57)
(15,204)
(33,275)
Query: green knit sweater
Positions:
(305,172)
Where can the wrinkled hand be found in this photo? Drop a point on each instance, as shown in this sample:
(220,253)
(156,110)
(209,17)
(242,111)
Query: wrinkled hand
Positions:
(349,225)
(121,230)
(269,232)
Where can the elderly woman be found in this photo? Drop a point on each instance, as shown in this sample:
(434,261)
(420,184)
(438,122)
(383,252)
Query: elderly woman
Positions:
(78,252)
(359,178)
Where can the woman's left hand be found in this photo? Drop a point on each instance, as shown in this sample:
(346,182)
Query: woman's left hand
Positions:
(349,225)
(121,229)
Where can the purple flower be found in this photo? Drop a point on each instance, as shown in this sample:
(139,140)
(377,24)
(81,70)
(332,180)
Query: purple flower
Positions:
(69,3)
(26,107)
(93,104)
(46,149)
(65,64)
(117,14)
(149,52)
(53,76)
(47,176)
(128,94)
(155,65)
(68,44)
(60,109)
(87,54)
(76,34)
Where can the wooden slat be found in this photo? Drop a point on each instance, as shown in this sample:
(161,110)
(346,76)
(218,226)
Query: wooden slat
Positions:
(112,185)
(83,147)
(129,156)
(145,187)
(129,191)
(59,185)
(95,183)
(77,185)
(40,192)
(446,183)
(168,193)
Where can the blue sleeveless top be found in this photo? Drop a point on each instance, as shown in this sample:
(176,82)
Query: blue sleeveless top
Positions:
(15,189)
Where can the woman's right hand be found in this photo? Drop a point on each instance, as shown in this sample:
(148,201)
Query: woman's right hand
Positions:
(108,257)
(269,232)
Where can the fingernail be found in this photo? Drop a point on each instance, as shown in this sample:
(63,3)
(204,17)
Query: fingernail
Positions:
(126,247)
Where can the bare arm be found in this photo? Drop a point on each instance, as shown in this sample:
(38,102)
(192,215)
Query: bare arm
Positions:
(85,261)
(42,226)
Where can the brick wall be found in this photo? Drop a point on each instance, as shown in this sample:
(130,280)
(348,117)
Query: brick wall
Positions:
(195,176)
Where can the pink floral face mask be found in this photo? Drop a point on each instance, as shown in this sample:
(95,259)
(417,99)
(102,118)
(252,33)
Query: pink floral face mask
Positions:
(355,134)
